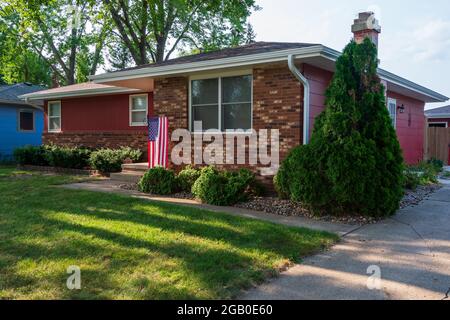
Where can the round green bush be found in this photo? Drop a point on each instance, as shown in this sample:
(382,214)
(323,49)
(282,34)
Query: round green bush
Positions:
(223,188)
(187,177)
(106,160)
(353,164)
(30,155)
(109,160)
(159,181)
(67,157)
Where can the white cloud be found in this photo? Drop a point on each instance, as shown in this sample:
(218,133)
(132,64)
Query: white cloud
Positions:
(425,41)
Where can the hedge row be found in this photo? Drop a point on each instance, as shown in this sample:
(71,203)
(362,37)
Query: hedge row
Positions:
(210,185)
(103,160)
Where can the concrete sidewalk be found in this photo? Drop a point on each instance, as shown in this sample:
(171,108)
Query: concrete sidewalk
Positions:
(109,186)
(411,250)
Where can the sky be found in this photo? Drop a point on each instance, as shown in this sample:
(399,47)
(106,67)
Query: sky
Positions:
(414,42)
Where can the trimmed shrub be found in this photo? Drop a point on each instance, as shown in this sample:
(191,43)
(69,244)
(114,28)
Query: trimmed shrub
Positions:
(31,155)
(285,179)
(159,181)
(109,160)
(129,153)
(65,157)
(353,164)
(437,164)
(411,179)
(223,188)
(187,177)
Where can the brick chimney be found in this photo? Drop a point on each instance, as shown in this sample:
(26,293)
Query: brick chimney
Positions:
(366,26)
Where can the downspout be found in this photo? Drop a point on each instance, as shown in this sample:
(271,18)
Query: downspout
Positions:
(300,77)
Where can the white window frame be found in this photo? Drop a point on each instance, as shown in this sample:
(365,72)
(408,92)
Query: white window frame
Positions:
(137,124)
(54,117)
(19,123)
(392,101)
(219,76)
(438,122)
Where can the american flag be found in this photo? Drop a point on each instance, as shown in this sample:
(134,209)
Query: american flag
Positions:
(158,142)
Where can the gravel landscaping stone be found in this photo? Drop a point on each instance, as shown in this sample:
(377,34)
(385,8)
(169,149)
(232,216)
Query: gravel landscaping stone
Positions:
(289,208)
(277,206)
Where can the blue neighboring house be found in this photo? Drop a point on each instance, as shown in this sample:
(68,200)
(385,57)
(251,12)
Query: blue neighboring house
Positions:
(21,123)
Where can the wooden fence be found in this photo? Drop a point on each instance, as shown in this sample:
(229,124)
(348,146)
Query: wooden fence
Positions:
(438,144)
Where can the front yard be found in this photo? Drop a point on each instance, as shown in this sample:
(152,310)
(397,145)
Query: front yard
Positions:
(129,248)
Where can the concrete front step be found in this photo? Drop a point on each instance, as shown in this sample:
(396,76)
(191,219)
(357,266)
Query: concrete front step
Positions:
(127,176)
(141,167)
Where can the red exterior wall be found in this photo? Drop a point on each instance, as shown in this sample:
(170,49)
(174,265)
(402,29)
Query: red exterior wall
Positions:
(440,120)
(410,124)
(410,127)
(319,80)
(278,103)
(100,113)
(101,121)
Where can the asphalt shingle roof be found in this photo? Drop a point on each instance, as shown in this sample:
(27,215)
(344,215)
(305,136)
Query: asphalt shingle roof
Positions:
(252,48)
(441,110)
(13,91)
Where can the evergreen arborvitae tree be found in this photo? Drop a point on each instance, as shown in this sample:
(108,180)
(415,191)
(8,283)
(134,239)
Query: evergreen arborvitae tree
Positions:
(353,164)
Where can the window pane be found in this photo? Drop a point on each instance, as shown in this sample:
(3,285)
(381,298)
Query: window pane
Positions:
(205,91)
(139,103)
(237,89)
(237,116)
(392,111)
(26,121)
(54,109)
(55,124)
(208,115)
(139,117)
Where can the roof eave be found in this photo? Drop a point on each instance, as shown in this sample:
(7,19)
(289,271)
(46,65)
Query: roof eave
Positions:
(238,61)
(437,116)
(268,57)
(76,93)
(20,103)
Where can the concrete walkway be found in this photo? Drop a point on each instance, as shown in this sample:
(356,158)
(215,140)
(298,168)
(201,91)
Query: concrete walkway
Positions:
(411,251)
(109,186)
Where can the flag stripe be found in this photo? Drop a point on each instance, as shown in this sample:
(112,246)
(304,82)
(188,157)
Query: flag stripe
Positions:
(158,142)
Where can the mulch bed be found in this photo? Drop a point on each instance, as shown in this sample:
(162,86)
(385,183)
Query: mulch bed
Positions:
(277,206)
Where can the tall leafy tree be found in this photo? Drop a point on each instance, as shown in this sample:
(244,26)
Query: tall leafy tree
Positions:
(67,34)
(18,63)
(353,164)
(152,30)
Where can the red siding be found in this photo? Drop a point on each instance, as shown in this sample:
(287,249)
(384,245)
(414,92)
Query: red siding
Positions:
(410,127)
(102,113)
(410,124)
(319,80)
(440,120)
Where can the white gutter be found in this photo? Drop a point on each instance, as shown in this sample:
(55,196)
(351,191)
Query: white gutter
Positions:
(249,60)
(306,94)
(437,115)
(181,68)
(77,93)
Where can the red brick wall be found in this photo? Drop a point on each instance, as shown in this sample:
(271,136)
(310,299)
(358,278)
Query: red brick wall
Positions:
(105,139)
(277,104)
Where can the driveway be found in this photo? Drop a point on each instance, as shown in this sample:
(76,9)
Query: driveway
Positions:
(410,252)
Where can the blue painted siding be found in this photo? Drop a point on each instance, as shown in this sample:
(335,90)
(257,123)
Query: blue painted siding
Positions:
(11,137)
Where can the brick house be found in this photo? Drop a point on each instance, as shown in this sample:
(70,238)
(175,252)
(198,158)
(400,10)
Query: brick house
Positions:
(263,85)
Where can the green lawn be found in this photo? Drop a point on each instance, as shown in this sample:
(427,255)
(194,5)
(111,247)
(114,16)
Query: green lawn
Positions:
(129,248)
